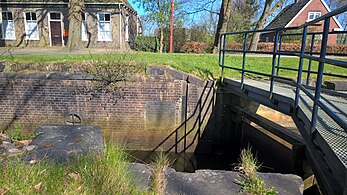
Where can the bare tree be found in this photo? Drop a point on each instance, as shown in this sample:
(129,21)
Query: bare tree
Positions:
(269,8)
(224,17)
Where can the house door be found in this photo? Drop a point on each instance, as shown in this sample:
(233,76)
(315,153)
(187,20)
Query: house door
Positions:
(56,35)
(55,24)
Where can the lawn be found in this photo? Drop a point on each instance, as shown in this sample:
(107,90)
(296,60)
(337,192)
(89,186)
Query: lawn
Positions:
(202,65)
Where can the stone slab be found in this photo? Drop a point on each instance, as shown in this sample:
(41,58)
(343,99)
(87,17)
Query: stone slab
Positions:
(60,143)
(223,182)
(141,174)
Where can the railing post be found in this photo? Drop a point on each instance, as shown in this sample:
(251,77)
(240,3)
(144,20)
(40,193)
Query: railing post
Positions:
(222,52)
(244,59)
(279,56)
(310,61)
(273,64)
(176,139)
(185,117)
(301,62)
(199,118)
(320,74)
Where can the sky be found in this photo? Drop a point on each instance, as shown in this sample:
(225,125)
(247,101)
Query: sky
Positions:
(139,10)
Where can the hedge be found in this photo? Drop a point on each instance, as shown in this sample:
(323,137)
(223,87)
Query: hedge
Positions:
(268,47)
(195,47)
(147,43)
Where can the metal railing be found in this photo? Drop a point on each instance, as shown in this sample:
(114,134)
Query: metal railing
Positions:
(276,56)
(321,106)
(204,106)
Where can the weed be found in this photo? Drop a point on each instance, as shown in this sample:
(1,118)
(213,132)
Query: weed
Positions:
(158,180)
(250,181)
(16,134)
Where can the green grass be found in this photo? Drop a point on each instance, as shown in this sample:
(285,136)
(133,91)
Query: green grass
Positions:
(250,182)
(107,174)
(203,65)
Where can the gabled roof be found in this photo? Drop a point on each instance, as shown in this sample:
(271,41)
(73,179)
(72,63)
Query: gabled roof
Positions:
(287,14)
(290,12)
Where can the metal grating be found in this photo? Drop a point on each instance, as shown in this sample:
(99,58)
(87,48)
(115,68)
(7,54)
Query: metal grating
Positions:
(334,135)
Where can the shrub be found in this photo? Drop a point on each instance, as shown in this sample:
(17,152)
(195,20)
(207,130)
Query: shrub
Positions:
(147,43)
(195,47)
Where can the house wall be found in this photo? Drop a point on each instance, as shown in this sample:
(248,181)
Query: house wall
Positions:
(43,27)
(316,5)
(92,25)
(140,114)
(117,25)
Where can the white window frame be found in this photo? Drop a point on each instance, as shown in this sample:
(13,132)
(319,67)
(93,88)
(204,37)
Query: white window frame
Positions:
(99,30)
(315,15)
(26,22)
(2,27)
(126,28)
(84,28)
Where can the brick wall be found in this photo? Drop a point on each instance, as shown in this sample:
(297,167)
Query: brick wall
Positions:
(139,114)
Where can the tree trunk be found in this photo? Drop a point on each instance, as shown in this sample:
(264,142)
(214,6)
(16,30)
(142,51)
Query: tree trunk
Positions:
(224,16)
(161,40)
(262,21)
(76,8)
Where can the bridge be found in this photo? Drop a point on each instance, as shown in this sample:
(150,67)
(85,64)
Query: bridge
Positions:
(320,115)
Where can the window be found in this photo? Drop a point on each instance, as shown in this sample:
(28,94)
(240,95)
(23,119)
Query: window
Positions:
(8,26)
(55,16)
(84,28)
(31,27)
(313,15)
(104,27)
(126,28)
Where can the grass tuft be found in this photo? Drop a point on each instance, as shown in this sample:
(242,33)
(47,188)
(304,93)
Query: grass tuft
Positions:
(250,181)
(158,181)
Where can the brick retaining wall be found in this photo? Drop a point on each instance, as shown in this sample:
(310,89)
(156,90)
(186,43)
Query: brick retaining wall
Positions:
(139,114)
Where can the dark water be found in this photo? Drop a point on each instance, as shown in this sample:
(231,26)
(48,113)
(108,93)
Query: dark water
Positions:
(189,162)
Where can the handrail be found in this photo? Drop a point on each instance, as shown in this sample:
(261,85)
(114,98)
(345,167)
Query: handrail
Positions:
(303,54)
(199,108)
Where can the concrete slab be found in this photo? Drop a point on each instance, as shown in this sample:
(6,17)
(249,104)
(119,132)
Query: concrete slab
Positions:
(223,182)
(60,143)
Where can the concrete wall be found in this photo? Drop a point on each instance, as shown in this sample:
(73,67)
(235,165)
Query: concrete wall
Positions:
(140,114)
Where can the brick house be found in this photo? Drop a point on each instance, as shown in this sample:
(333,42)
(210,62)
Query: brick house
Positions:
(45,23)
(298,13)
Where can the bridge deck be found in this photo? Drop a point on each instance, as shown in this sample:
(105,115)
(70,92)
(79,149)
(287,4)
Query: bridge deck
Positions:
(330,131)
